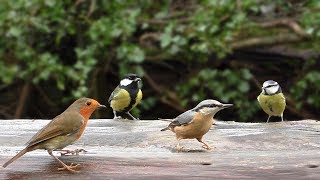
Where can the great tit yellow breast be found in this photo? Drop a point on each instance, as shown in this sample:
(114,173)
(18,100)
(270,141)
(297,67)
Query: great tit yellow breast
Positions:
(120,101)
(138,98)
(273,105)
(125,100)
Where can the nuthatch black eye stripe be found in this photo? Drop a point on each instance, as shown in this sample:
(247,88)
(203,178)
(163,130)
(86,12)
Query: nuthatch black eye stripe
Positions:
(207,106)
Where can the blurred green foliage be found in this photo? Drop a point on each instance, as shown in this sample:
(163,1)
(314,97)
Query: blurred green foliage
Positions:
(225,85)
(306,90)
(34,32)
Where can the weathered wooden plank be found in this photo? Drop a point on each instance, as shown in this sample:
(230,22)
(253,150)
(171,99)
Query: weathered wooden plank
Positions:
(120,149)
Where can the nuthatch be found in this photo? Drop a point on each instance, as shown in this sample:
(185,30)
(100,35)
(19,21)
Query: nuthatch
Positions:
(271,99)
(196,122)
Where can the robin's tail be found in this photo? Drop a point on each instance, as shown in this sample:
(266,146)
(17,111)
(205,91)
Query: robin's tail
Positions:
(25,150)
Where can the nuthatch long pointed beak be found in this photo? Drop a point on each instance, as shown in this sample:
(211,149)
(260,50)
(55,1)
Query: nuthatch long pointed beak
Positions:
(226,105)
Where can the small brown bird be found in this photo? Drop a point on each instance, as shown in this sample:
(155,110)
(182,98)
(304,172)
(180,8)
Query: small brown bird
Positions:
(196,122)
(62,131)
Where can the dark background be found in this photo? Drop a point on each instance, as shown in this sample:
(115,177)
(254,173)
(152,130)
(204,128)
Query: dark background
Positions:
(52,53)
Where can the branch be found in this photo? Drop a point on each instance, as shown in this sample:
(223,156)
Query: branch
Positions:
(22,100)
(92,8)
(301,113)
(171,98)
(144,39)
(263,41)
(293,25)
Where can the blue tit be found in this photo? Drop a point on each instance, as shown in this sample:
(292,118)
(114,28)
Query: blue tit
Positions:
(272,100)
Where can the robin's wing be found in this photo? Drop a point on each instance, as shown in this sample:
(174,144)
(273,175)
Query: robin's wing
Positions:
(65,123)
(184,118)
(114,94)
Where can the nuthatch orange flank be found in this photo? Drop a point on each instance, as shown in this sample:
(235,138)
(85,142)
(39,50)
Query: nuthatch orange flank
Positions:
(196,122)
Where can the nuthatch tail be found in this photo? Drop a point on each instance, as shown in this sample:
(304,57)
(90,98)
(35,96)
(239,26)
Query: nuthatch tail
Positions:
(196,122)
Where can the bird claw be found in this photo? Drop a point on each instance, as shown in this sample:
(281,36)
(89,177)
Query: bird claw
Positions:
(69,168)
(72,152)
(179,148)
(117,117)
(207,147)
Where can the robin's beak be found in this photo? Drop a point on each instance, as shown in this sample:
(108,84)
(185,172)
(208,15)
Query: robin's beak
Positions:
(226,105)
(101,106)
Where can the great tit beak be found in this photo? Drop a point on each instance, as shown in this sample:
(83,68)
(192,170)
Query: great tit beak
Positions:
(101,106)
(137,79)
(226,105)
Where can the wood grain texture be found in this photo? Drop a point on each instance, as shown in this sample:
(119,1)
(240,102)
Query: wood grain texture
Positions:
(120,149)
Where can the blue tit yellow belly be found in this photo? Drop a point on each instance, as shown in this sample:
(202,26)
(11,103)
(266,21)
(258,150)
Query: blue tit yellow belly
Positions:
(123,101)
(273,105)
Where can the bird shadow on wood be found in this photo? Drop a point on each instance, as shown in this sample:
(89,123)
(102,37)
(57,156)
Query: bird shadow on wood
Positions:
(184,150)
(38,168)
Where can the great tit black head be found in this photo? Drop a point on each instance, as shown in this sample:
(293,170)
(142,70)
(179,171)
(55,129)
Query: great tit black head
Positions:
(129,79)
(270,87)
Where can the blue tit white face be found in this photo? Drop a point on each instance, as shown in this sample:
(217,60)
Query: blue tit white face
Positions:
(270,87)
(129,79)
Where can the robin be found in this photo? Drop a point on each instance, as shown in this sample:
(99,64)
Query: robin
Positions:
(62,131)
(272,100)
(196,122)
(126,95)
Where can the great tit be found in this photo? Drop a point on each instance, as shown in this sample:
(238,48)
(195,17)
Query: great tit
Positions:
(126,96)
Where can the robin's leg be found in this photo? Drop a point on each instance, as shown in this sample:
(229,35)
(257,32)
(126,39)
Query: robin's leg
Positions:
(282,117)
(205,145)
(65,167)
(133,118)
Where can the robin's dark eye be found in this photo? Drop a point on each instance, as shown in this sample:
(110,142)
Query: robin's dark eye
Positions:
(88,103)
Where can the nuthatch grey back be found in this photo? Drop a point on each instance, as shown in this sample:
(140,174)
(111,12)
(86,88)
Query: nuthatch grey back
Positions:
(196,122)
